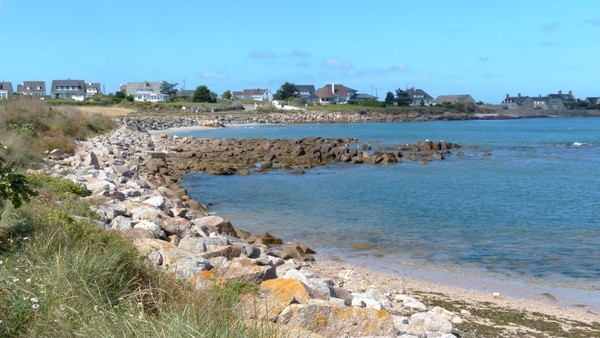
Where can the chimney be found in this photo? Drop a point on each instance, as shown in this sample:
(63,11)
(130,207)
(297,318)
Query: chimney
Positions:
(333,88)
(560,92)
(507,96)
(519,95)
(570,93)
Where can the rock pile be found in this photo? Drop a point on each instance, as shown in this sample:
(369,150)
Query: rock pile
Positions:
(240,156)
(131,179)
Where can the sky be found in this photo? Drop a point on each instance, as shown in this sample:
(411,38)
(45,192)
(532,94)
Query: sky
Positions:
(483,48)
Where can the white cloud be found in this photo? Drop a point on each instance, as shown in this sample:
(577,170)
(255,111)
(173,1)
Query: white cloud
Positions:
(337,63)
(296,53)
(483,58)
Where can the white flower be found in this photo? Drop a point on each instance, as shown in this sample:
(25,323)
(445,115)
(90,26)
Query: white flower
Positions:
(28,280)
(35,306)
(34,300)
(1,262)
(25,238)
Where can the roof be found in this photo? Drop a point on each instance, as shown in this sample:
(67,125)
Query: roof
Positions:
(185,93)
(33,87)
(254,92)
(305,88)
(136,87)
(418,93)
(334,90)
(516,99)
(79,85)
(6,86)
(540,98)
(364,97)
(94,85)
(452,98)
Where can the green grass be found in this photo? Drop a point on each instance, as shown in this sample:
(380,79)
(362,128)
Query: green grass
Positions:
(61,277)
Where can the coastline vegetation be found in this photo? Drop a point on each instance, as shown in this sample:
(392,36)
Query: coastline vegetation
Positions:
(62,276)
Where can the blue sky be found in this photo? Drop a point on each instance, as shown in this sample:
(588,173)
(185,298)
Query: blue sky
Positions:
(483,48)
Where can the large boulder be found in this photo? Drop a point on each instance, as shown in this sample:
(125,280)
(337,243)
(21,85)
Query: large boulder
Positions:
(273,296)
(215,224)
(331,320)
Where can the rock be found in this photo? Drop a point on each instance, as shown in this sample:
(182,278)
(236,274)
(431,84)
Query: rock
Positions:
(428,322)
(448,315)
(152,227)
(273,297)
(269,239)
(351,276)
(298,251)
(331,320)
(138,234)
(365,300)
(144,211)
(411,302)
(121,223)
(320,288)
(92,160)
(183,263)
(157,201)
(216,224)
(400,324)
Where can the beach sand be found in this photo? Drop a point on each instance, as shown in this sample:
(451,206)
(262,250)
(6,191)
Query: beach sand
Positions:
(482,311)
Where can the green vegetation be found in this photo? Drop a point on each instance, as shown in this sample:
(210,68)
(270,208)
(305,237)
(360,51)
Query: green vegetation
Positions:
(62,277)
(286,91)
(203,94)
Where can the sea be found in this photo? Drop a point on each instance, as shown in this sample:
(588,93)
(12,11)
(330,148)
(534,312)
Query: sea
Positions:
(519,214)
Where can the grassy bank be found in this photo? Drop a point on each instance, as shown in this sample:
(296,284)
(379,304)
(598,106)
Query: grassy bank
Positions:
(62,276)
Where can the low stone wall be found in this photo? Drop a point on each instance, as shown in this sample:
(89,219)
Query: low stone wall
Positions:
(130,179)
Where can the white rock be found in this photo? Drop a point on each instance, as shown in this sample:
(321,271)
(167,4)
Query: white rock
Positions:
(443,313)
(429,322)
(351,275)
(408,301)
(365,300)
(153,227)
(157,201)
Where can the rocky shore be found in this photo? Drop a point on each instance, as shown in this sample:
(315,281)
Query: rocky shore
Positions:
(146,122)
(133,180)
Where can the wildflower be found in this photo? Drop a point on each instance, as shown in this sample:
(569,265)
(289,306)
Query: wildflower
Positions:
(25,238)
(15,280)
(1,262)
(28,280)
(34,300)
(35,306)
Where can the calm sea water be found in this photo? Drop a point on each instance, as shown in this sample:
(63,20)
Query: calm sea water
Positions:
(530,211)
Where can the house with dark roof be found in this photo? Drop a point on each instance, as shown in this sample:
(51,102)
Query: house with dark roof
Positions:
(187,93)
(6,90)
(517,102)
(335,94)
(92,88)
(33,88)
(465,98)
(362,97)
(307,93)
(418,97)
(558,101)
(68,89)
(146,92)
(257,95)
(592,100)
(540,102)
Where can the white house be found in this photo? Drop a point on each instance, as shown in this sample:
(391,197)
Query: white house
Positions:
(335,94)
(146,92)
(257,95)
(6,90)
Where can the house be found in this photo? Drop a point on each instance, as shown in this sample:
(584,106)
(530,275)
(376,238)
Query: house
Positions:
(92,89)
(363,97)
(540,102)
(335,94)
(237,95)
(307,93)
(68,89)
(517,102)
(592,101)
(466,98)
(257,95)
(146,92)
(6,90)
(558,101)
(418,97)
(33,88)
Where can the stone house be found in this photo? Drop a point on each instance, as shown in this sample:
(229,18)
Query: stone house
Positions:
(465,98)
(146,92)
(32,88)
(335,94)
(418,97)
(68,89)
(540,102)
(307,93)
(517,102)
(6,90)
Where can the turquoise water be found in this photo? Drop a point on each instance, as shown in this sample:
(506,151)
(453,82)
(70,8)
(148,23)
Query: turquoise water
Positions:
(530,211)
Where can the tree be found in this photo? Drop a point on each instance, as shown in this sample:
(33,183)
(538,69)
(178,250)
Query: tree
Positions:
(286,91)
(168,88)
(120,95)
(402,98)
(226,95)
(203,94)
(389,98)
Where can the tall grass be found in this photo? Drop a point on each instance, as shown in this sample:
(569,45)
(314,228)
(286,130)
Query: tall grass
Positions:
(61,277)
(29,127)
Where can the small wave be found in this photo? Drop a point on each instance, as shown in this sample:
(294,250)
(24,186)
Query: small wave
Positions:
(577,144)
